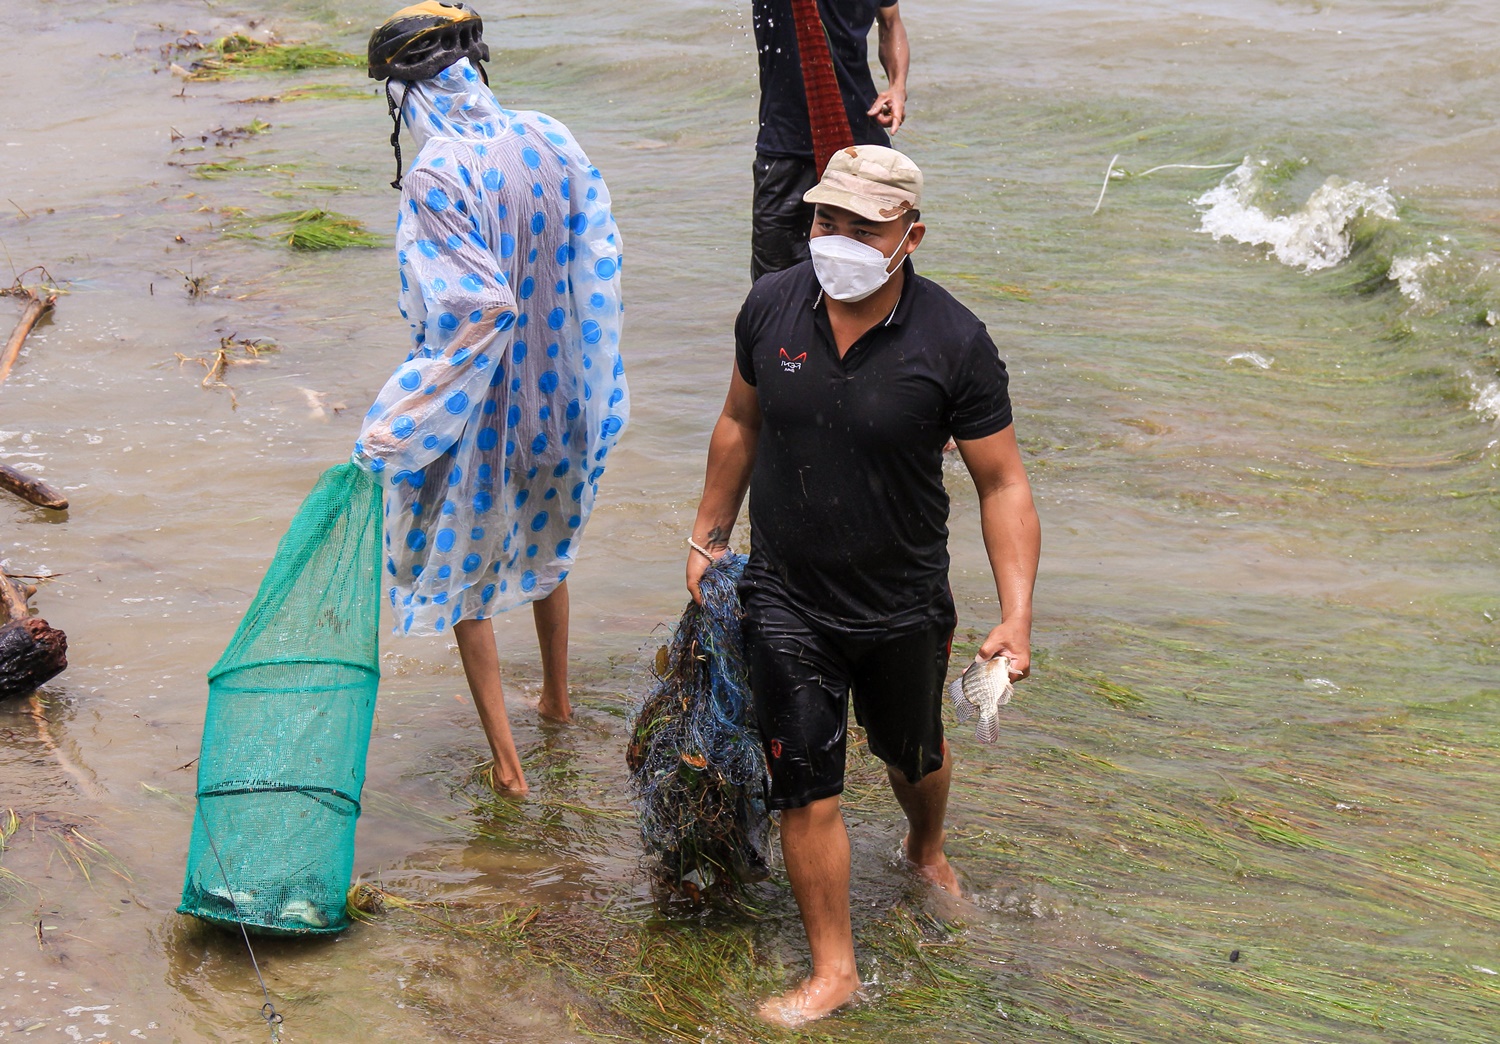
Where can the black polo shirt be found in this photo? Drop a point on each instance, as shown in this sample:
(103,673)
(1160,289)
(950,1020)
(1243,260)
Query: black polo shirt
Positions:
(848,514)
(784,126)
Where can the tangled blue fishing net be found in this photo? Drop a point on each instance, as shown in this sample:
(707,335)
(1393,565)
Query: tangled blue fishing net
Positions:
(696,765)
(290,706)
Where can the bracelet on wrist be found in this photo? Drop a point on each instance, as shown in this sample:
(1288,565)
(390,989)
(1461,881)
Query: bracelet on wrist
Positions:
(705,552)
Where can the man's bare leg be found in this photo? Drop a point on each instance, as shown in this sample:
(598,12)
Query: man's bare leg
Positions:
(476,648)
(926,804)
(550,615)
(815,847)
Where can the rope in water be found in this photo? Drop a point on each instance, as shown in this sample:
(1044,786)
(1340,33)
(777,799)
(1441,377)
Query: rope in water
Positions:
(268,1009)
(1110,170)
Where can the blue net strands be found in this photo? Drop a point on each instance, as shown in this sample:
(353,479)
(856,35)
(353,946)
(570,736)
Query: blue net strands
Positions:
(696,765)
(290,707)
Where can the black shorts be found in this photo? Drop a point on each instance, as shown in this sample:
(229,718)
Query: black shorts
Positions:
(802,677)
(779,219)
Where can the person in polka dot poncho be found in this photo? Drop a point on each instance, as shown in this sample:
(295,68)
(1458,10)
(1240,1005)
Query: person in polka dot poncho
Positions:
(490,439)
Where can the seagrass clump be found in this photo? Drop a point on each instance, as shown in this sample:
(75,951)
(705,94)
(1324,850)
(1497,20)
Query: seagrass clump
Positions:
(696,765)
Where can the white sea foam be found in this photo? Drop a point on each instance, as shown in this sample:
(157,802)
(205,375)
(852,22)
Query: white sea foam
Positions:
(1407,272)
(1253,358)
(1312,238)
(1486,398)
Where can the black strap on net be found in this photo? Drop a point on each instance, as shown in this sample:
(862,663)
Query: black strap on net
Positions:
(268,1009)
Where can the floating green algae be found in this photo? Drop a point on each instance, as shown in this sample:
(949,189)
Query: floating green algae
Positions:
(325,230)
(1244,854)
(310,230)
(237,53)
(225,168)
(314,91)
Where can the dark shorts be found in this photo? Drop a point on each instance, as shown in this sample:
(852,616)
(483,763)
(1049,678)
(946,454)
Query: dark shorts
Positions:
(779,220)
(802,677)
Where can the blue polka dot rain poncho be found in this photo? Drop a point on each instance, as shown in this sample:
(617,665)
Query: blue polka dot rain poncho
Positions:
(490,439)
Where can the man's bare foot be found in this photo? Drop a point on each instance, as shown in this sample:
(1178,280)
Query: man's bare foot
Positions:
(937,872)
(816,997)
(555,708)
(507,784)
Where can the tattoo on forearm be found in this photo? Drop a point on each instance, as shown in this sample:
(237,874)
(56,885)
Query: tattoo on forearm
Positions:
(717,537)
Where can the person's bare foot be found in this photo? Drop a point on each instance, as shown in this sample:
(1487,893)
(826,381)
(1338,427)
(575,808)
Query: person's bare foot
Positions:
(507,784)
(938,872)
(555,708)
(817,996)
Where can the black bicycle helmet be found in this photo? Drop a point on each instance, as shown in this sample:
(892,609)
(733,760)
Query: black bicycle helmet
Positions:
(422,40)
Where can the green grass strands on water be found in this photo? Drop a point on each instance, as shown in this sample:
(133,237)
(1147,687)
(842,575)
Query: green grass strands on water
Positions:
(310,230)
(1323,880)
(238,53)
(325,230)
(311,90)
(224,168)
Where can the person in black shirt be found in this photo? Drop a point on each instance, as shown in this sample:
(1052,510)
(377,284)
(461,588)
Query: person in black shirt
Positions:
(784,168)
(851,374)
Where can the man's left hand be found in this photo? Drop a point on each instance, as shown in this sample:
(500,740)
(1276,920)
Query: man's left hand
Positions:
(889,109)
(1014,641)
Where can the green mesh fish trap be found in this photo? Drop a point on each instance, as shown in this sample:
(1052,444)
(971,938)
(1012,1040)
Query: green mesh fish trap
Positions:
(290,706)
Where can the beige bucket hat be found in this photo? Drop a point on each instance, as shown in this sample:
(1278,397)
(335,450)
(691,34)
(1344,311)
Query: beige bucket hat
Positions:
(877,183)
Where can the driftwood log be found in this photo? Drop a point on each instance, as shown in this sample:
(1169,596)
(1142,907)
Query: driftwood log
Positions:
(37,306)
(28,487)
(31,650)
(22,485)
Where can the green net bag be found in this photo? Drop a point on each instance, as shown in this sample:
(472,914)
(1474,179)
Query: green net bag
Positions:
(290,705)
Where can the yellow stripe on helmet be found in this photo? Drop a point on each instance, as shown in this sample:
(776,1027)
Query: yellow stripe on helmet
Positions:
(434,9)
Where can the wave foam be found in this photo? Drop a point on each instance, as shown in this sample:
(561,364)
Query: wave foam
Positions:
(1253,358)
(1311,238)
(1407,272)
(1486,399)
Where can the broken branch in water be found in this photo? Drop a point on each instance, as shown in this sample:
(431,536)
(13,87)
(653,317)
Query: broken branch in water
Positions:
(219,360)
(37,306)
(32,489)
(31,650)
(13,599)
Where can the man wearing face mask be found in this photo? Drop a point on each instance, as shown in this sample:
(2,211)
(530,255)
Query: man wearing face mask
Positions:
(851,373)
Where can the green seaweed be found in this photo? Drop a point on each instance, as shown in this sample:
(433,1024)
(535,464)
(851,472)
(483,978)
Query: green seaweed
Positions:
(237,53)
(308,230)
(325,230)
(313,91)
(225,168)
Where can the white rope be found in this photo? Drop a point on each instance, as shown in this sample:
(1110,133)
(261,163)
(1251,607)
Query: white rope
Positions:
(1102,188)
(1110,170)
(1187,166)
(705,552)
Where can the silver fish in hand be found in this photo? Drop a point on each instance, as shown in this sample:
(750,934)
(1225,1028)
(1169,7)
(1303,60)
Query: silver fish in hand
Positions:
(982,689)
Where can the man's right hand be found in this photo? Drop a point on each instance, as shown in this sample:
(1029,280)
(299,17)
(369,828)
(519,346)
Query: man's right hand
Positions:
(889,109)
(697,565)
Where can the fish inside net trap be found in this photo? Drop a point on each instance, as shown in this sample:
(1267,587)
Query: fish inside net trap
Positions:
(697,769)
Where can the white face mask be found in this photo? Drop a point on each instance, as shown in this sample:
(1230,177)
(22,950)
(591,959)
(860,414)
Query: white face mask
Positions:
(848,270)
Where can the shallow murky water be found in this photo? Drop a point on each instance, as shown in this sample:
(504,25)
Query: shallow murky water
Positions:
(1259,404)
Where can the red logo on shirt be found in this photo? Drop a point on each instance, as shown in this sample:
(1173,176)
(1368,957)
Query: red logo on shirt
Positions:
(792,363)
(775,748)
